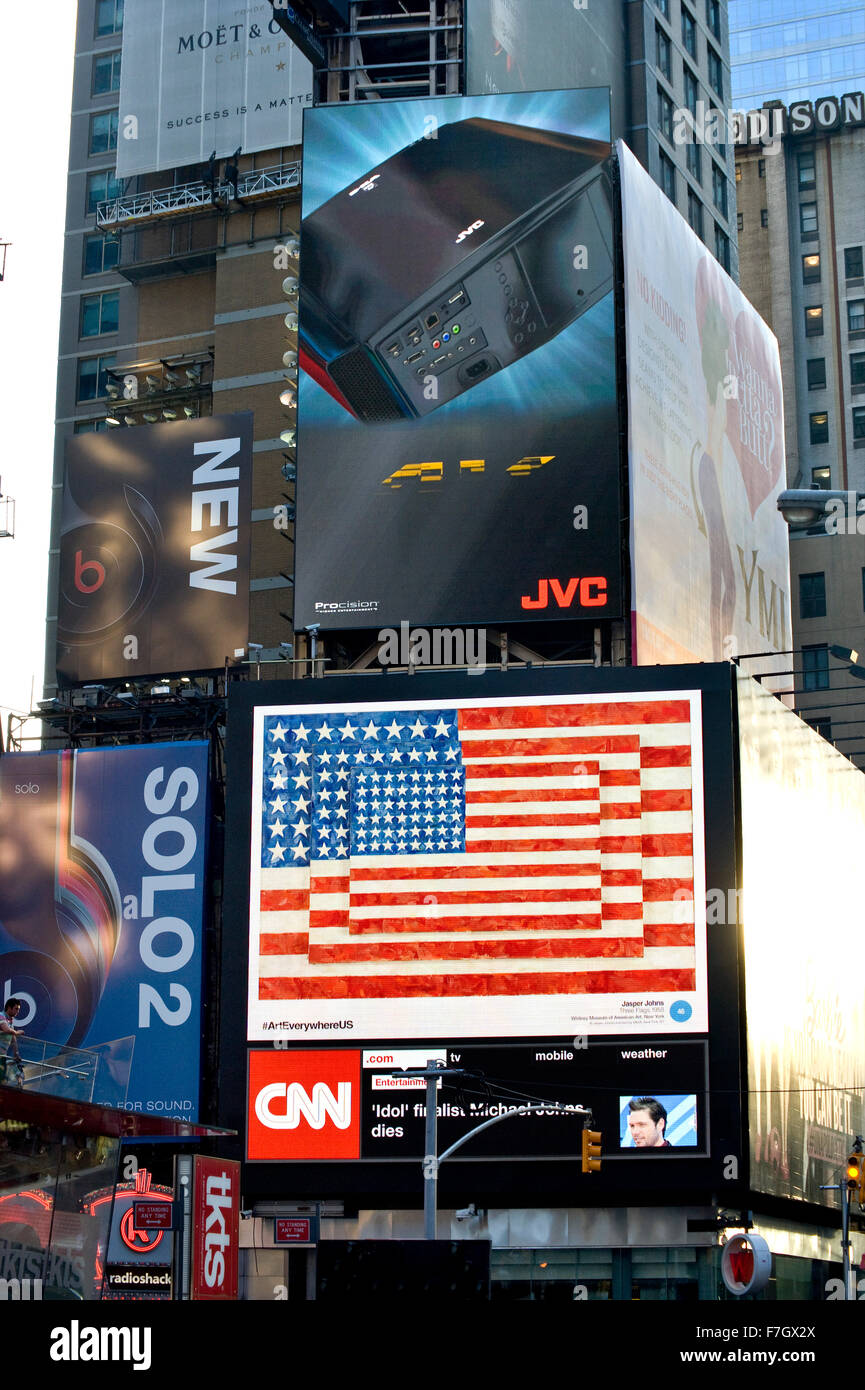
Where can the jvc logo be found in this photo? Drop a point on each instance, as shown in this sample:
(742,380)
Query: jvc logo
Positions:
(468,231)
(315,1109)
(590,592)
(368,186)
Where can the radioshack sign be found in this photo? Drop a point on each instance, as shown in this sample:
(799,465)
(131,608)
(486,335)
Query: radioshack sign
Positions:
(303,1105)
(216,1212)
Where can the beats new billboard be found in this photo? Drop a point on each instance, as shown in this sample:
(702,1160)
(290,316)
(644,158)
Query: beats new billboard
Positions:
(154,549)
(458,427)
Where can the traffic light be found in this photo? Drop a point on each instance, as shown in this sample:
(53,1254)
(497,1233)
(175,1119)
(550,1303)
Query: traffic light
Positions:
(591,1151)
(855,1177)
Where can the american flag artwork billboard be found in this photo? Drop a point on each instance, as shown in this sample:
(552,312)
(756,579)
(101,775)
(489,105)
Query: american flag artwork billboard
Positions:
(478,868)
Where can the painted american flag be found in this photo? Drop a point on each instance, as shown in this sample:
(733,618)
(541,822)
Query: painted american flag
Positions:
(476,850)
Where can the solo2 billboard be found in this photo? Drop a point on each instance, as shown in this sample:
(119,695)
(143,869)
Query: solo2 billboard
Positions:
(709,548)
(154,549)
(458,436)
(203,75)
(102,859)
(542,854)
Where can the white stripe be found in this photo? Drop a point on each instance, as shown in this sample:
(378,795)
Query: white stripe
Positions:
(531,782)
(672,733)
(668,866)
(335,936)
(477,885)
(622,893)
(515,859)
(529,808)
(666,779)
(328,902)
(667,822)
(531,832)
(296,920)
(589,907)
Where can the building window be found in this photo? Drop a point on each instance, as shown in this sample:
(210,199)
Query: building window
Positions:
(811,268)
(694,162)
(853,262)
(695,213)
(662,52)
(857,371)
(664,7)
(103,132)
(713,16)
(100,313)
(807,169)
(716,73)
(761,168)
(859,424)
(109,17)
(821,477)
(93,377)
(689,32)
(722,247)
(856,315)
(819,425)
(814,322)
(812,595)
(815,668)
(719,189)
(665,114)
(106,74)
(817,373)
(764,217)
(738,173)
(740,221)
(668,176)
(101,253)
(102,187)
(90,426)
(821,726)
(808,221)
(691,91)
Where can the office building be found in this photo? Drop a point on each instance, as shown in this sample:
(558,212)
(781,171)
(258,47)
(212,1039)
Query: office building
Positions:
(790,50)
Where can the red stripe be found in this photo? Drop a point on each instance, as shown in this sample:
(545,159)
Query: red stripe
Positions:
(668,934)
(674,800)
(526,846)
(474,822)
(461,986)
(667,844)
(570,744)
(336,918)
(661,890)
(620,810)
(284,899)
(588,921)
(621,912)
(284,943)
(486,895)
(561,947)
(557,716)
(321,884)
(474,771)
(678,756)
(621,878)
(620,777)
(362,875)
(621,844)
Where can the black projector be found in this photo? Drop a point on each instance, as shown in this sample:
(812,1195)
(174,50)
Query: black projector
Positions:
(454,258)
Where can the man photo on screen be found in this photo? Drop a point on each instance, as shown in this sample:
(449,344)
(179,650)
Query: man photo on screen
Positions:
(647,1123)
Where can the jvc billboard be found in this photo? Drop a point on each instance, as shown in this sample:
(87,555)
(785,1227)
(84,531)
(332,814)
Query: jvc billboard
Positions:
(458,428)
(102,859)
(154,549)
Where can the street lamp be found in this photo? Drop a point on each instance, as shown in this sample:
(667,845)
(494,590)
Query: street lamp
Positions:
(804,507)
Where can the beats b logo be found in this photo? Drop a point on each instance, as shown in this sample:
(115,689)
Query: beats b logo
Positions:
(81,568)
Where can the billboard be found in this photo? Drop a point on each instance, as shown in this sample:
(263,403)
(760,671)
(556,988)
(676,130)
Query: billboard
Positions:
(542,853)
(709,549)
(102,857)
(512,46)
(154,549)
(804,1005)
(458,435)
(204,75)
(215,1224)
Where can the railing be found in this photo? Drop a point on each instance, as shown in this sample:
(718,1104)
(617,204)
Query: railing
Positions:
(160,202)
(98,1074)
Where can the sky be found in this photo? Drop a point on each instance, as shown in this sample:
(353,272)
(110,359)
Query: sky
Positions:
(32,216)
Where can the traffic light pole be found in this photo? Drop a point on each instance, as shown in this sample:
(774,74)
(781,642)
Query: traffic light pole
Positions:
(432,1161)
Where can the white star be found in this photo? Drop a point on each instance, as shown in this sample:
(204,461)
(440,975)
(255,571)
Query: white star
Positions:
(450,754)
(279,756)
(394,728)
(342,756)
(278,732)
(378,755)
(301,780)
(323,814)
(301,732)
(414,755)
(417,728)
(325,731)
(342,774)
(341,794)
(279,780)
(370,731)
(300,827)
(348,729)
(342,850)
(325,776)
(456,844)
(277,852)
(432,756)
(360,756)
(325,795)
(299,851)
(278,828)
(301,803)
(341,832)
(442,729)
(324,757)
(278,805)
(443,844)
(395,756)
(301,755)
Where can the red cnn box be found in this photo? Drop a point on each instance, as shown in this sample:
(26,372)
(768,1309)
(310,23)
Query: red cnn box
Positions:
(303,1104)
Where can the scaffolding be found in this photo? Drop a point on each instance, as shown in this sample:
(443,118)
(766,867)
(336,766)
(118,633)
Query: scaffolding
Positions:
(396,51)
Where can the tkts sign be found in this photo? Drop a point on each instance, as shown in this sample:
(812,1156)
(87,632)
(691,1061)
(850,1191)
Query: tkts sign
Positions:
(154,549)
(216,1212)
